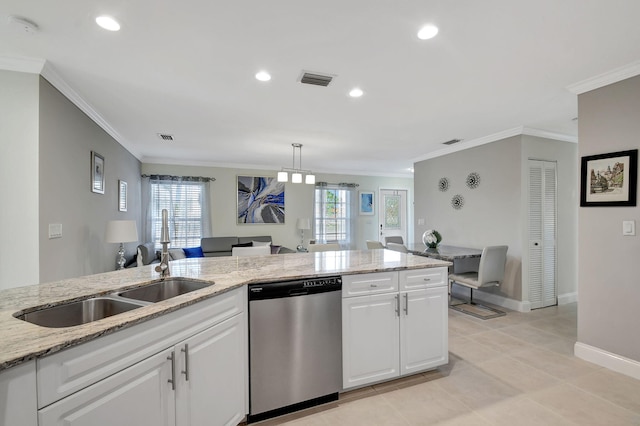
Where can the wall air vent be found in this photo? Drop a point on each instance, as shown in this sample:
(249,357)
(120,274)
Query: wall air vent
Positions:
(165,136)
(452,141)
(316,79)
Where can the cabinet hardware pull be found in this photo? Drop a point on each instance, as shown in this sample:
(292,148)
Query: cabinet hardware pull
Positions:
(397,305)
(406,303)
(427,279)
(374,285)
(172,380)
(186,361)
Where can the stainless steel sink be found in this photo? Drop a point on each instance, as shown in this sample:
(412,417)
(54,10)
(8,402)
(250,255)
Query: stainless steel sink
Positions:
(80,312)
(165,289)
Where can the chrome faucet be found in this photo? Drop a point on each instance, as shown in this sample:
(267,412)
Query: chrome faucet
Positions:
(163,267)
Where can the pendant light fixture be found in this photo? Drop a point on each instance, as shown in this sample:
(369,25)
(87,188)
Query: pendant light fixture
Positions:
(296,173)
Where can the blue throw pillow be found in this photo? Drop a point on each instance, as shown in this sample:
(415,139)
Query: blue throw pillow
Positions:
(193,252)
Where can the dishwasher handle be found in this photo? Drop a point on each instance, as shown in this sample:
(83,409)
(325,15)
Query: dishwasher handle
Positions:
(298,292)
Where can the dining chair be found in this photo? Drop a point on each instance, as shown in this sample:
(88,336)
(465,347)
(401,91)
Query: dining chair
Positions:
(394,239)
(251,251)
(324,247)
(373,244)
(397,247)
(490,273)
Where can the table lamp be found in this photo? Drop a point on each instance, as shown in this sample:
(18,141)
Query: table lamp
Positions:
(121,231)
(302,224)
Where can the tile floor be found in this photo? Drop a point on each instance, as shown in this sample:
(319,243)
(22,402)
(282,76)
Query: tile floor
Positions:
(514,370)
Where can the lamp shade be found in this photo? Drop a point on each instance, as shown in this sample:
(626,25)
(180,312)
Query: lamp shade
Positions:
(121,231)
(303,223)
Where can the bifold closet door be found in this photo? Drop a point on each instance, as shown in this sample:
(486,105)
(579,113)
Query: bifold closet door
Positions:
(542,233)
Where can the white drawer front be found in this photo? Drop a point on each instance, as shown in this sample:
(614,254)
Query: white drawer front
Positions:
(374,283)
(68,371)
(414,279)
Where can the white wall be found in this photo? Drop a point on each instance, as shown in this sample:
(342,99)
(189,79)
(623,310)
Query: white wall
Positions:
(19,256)
(298,201)
(608,262)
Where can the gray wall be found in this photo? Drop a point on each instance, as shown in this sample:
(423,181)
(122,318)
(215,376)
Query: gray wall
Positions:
(608,266)
(491,214)
(19,179)
(67,137)
(298,201)
(496,211)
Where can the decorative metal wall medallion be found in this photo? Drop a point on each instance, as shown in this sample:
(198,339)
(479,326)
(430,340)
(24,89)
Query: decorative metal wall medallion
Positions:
(443,184)
(457,201)
(473,180)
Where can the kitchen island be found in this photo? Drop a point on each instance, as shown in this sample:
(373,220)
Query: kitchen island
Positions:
(23,342)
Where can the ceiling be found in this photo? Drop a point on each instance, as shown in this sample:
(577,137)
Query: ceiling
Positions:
(187,68)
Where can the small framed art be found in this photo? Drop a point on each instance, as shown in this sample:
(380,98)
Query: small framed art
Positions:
(366,203)
(609,180)
(122,196)
(97,173)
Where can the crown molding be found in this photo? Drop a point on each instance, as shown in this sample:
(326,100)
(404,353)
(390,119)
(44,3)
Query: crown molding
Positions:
(52,76)
(516,131)
(549,135)
(22,64)
(605,79)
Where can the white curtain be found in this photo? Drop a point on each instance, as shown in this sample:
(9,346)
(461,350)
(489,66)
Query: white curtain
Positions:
(188,201)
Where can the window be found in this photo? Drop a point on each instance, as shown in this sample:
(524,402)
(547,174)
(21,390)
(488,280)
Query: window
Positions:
(186,200)
(333,215)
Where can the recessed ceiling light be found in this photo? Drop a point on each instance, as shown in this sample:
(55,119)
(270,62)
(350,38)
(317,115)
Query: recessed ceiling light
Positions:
(108,23)
(427,32)
(263,76)
(356,92)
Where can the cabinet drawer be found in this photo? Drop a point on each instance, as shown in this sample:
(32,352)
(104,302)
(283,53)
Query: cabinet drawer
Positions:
(414,279)
(68,371)
(363,284)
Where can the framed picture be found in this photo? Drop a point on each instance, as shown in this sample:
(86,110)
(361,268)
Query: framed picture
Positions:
(122,196)
(260,200)
(365,202)
(97,173)
(609,180)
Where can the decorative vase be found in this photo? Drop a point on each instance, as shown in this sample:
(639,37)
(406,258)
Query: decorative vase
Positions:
(428,236)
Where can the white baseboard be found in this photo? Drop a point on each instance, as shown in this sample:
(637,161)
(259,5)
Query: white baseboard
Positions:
(607,360)
(494,299)
(565,299)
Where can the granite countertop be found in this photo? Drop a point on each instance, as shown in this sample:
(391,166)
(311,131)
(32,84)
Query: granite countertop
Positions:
(22,341)
(443,252)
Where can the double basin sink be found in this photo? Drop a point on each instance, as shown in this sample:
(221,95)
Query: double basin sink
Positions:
(97,308)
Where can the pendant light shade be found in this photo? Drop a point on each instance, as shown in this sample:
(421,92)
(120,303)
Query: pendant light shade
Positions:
(296,173)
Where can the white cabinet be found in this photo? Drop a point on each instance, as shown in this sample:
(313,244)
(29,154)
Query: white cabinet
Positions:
(18,395)
(370,339)
(187,368)
(211,367)
(401,331)
(139,395)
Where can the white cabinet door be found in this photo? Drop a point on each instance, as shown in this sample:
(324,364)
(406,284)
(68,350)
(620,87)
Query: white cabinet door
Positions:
(18,404)
(423,330)
(213,393)
(371,337)
(140,395)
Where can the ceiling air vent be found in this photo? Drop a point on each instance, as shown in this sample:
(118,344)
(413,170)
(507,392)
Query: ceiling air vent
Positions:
(452,141)
(316,79)
(165,136)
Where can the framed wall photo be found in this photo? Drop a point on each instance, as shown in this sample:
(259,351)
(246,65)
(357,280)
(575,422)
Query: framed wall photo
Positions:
(122,196)
(97,173)
(365,202)
(609,180)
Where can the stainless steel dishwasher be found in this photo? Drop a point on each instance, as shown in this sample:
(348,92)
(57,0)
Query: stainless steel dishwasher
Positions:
(295,345)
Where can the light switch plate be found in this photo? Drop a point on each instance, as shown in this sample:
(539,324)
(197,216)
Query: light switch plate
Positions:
(55,230)
(629,227)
